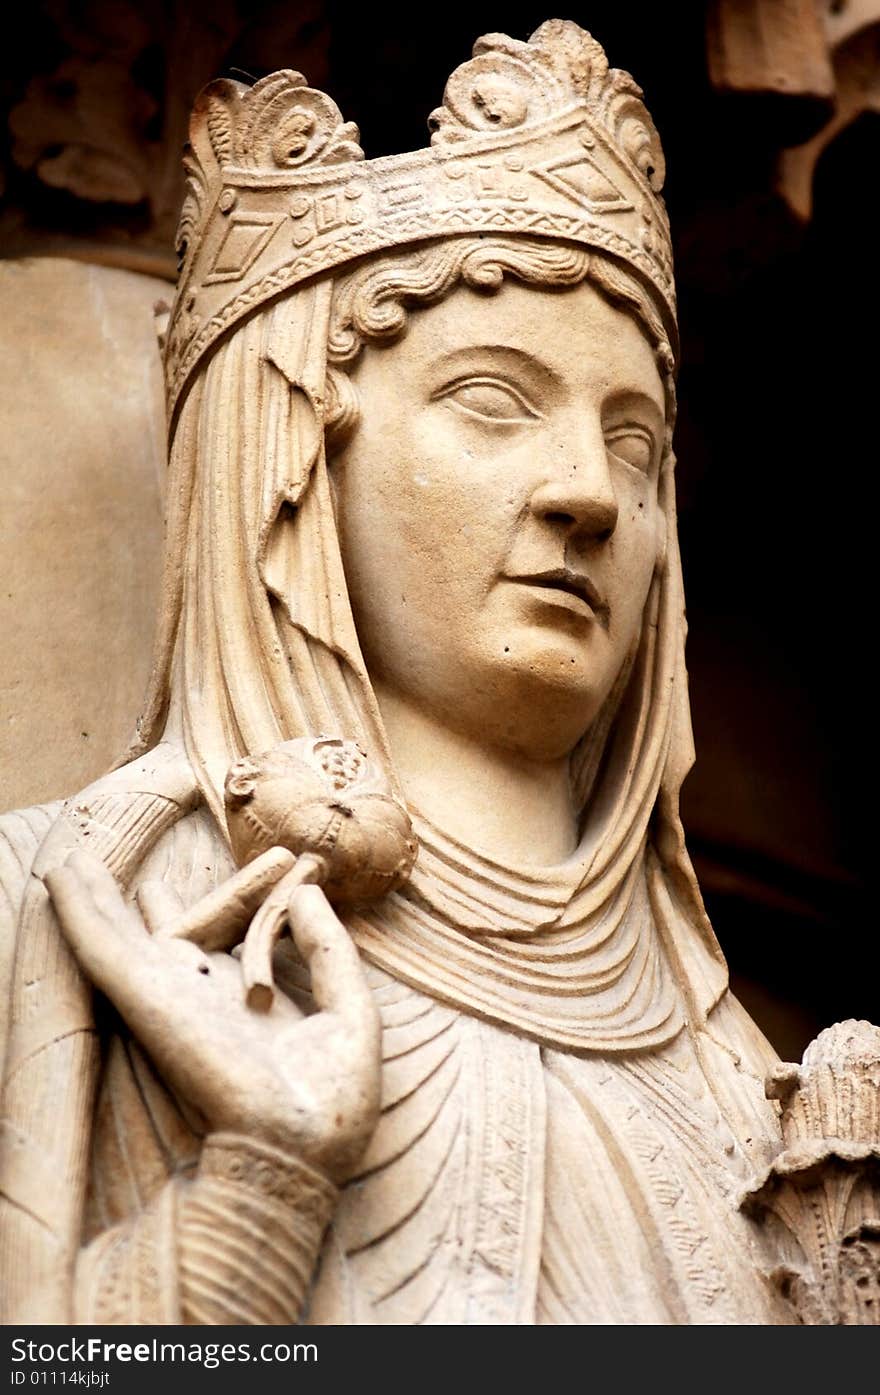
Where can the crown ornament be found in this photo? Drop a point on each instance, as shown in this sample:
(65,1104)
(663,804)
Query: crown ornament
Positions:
(539,138)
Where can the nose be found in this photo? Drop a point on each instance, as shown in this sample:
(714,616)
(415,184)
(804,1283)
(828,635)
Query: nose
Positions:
(578,494)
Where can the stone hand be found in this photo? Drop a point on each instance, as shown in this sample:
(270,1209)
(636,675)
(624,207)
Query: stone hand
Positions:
(309,1084)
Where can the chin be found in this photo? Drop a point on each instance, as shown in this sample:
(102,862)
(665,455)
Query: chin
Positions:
(550,698)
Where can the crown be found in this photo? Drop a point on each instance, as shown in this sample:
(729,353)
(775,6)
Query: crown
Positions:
(537,137)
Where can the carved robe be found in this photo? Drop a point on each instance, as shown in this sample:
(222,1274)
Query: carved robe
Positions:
(507,1182)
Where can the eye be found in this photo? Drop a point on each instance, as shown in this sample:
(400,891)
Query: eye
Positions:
(633,444)
(491,399)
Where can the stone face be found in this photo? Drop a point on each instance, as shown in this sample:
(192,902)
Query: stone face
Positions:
(82,466)
(422,595)
(557,401)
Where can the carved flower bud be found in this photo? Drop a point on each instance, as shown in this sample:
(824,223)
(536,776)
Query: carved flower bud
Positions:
(324,797)
(835,1093)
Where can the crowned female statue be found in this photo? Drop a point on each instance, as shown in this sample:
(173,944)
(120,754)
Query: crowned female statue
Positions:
(421,534)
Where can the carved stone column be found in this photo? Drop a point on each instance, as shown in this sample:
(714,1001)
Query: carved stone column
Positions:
(819,1201)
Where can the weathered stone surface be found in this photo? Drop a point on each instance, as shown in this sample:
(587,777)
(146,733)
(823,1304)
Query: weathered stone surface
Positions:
(100,95)
(81,475)
(776,47)
(857,91)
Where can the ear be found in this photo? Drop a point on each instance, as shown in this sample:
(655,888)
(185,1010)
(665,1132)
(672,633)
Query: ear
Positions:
(342,412)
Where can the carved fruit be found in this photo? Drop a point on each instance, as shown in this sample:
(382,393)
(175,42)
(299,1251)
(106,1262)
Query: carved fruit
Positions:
(327,798)
(327,802)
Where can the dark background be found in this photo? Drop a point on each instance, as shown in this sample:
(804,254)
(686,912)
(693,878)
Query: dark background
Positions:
(777,435)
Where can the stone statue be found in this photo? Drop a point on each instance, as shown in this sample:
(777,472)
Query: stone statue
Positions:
(421,646)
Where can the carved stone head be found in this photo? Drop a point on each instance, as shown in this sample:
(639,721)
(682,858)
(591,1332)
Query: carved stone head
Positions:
(421,412)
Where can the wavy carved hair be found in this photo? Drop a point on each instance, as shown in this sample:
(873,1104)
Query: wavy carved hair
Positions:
(371,303)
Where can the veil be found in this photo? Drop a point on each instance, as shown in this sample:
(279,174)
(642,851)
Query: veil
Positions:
(258,645)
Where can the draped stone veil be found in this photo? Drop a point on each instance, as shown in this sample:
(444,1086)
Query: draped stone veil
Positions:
(258,645)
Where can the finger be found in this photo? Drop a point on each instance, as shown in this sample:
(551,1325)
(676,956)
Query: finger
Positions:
(103,932)
(266,929)
(338,981)
(116,951)
(220,918)
(90,887)
(160,905)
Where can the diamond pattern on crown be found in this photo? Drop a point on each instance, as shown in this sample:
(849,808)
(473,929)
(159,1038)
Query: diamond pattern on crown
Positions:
(539,138)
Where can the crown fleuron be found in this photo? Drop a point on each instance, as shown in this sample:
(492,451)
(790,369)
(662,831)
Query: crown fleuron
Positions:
(538,138)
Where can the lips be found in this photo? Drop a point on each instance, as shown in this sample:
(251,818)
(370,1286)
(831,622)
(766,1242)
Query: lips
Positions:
(572,583)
